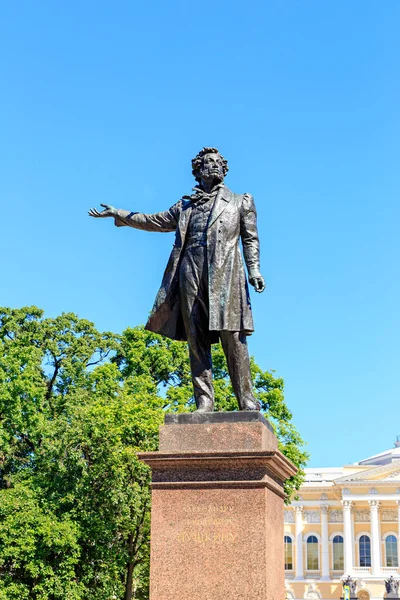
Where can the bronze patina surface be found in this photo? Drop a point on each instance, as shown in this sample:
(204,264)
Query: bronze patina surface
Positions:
(204,296)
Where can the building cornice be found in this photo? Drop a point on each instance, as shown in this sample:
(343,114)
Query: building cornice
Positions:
(367,483)
(394,498)
(315,503)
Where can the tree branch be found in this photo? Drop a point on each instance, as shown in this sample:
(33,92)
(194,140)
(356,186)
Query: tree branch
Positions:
(102,357)
(29,442)
(50,384)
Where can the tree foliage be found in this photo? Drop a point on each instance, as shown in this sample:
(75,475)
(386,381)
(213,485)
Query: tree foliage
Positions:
(76,405)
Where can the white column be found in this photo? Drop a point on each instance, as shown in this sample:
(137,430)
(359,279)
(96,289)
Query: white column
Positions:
(375,538)
(348,537)
(398,530)
(324,542)
(353,536)
(299,542)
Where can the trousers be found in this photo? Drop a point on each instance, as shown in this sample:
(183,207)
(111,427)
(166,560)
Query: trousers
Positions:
(193,291)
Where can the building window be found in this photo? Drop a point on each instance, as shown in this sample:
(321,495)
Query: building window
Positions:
(338,553)
(312,553)
(288,553)
(365,551)
(392,559)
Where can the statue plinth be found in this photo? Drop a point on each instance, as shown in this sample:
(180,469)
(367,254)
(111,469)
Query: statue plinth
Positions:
(217,508)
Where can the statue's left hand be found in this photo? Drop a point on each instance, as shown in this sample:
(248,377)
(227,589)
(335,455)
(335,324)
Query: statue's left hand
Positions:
(109,211)
(258,283)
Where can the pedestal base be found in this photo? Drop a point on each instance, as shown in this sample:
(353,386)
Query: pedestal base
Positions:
(217,509)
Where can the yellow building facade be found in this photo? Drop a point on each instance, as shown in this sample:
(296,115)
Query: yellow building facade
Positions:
(346,521)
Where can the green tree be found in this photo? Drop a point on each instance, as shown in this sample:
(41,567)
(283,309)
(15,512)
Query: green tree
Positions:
(75,407)
(69,433)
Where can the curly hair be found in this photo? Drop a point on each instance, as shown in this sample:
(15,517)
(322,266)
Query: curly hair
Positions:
(198,160)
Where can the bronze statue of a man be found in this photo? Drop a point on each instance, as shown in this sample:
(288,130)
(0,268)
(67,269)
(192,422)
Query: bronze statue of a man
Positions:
(204,295)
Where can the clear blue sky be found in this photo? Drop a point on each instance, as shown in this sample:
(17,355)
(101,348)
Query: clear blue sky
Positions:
(108,102)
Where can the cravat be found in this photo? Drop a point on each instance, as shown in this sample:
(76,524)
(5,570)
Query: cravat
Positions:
(200,196)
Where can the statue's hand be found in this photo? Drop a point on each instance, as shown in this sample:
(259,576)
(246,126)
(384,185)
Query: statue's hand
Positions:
(109,211)
(258,283)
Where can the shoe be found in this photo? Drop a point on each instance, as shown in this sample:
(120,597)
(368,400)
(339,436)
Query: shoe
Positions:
(204,405)
(250,405)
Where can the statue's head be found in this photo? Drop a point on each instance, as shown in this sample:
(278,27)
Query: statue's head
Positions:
(209,165)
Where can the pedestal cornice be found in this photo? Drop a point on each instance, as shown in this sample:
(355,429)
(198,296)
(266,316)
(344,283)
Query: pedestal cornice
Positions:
(220,469)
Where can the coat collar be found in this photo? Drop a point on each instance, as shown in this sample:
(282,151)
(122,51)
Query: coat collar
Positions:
(222,200)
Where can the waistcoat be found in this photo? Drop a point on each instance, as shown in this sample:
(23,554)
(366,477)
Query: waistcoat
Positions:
(197,228)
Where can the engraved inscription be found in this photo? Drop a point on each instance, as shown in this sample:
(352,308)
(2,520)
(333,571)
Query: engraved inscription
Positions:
(208,524)
(204,537)
(210,508)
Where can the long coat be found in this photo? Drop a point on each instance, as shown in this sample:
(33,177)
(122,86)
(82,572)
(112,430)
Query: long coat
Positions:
(233,217)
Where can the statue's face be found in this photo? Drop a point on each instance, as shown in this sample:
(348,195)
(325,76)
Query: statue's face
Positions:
(211,169)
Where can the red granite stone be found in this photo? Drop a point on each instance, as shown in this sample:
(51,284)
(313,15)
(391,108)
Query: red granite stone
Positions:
(217,513)
(216,437)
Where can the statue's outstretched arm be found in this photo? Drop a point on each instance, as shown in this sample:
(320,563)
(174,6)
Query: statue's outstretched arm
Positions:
(162,221)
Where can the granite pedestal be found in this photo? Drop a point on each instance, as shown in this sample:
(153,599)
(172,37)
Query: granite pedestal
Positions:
(217,509)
